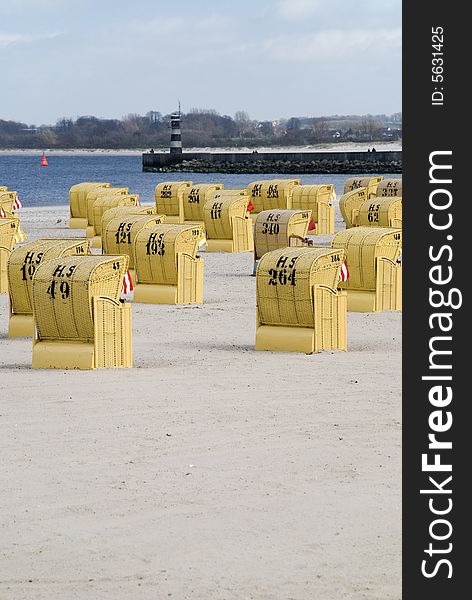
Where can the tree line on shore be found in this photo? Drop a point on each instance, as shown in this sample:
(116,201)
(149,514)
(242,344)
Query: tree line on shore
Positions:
(200,128)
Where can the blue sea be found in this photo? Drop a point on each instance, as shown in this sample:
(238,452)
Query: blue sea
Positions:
(42,186)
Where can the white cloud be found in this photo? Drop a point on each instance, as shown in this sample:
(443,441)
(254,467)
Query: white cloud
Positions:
(334,44)
(8,39)
(180,41)
(304,8)
(199,56)
(296,9)
(179,25)
(23,7)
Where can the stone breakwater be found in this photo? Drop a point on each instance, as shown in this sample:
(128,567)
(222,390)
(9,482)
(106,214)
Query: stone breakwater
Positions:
(275,162)
(323,166)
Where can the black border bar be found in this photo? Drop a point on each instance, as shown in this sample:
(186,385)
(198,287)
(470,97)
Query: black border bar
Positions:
(437,177)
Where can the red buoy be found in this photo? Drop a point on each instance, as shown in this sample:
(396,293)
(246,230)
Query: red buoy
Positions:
(44,162)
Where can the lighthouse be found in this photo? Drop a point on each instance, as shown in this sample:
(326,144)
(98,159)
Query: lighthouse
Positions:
(176,134)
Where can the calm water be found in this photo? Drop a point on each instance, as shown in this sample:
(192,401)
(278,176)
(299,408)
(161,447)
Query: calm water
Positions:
(40,186)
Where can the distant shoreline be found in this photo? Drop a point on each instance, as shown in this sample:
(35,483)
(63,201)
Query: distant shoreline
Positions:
(338,147)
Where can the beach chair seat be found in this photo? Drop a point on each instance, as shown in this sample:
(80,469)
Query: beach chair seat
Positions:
(117,211)
(268,194)
(299,305)
(389,188)
(22,265)
(93,195)
(381,212)
(319,199)
(78,202)
(350,204)
(195,198)
(279,228)
(101,205)
(7,201)
(80,322)
(227,223)
(8,235)
(169,198)
(168,269)
(119,234)
(369,182)
(373,256)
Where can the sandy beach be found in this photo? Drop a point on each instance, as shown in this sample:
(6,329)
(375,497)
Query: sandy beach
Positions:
(209,471)
(340,147)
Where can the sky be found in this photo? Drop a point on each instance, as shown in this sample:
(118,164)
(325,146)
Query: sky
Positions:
(271,58)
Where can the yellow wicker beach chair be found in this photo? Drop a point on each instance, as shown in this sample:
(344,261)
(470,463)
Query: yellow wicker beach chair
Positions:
(373,256)
(101,205)
(227,223)
(381,212)
(319,199)
(299,305)
(349,205)
(78,202)
(120,233)
(276,229)
(93,195)
(389,188)
(7,200)
(8,236)
(22,265)
(195,198)
(168,270)
(80,322)
(370,183)
(169,197)
(267,194)
(119,211)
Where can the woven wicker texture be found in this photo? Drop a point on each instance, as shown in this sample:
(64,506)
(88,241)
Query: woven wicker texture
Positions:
(169,196)
(381,212)
(25,260)
(362,247)
(4,255)
(119,211)
(319,199)
(78,197)
(370,183)
(195,197)
(220,212)
(349,205)
(3,188)
(330,319)
(8,231)
(266,194)
(284,283)
(156,249)
(120,233)
(389,280)
(63,292)
(103,203)
(389,187)
(7,200)
(94,194)
(273,229)
(113,334)
(19,235)
(309,197)
(228,192)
